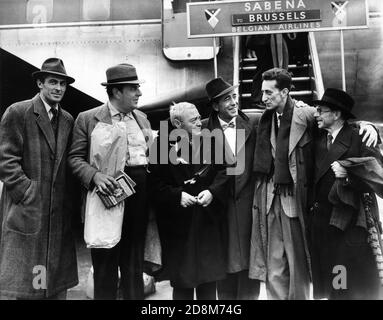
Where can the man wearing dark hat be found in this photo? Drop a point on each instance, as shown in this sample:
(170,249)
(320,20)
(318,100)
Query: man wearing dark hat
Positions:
(37,250)
(226,117)
(343,264)
(123,89)
(284,170)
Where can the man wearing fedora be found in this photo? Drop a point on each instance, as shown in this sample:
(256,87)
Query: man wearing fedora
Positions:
(338,229)
(226,116)
(284,170)
(123,89)
(37,250)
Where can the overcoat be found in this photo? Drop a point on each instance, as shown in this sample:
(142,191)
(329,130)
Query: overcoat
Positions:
(241,189)
(332,242)
(37,248)
(193,238)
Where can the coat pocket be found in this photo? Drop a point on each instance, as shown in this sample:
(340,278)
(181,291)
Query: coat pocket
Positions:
(25,216)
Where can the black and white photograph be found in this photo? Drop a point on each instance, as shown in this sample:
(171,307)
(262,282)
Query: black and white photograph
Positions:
(178,150)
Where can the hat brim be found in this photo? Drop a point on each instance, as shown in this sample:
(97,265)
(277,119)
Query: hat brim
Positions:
(225,91)
(68,78)
(122,82)
(333,106)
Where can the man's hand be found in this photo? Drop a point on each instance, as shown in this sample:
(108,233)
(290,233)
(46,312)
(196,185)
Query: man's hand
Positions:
(339,171)
(370,134)
(301,104)
(187,200)
(205,198)
(106,184)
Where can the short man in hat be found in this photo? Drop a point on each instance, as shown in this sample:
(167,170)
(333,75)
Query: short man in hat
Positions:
(284,169)
(339,229)
(226,116)
(37,250)
(123,89)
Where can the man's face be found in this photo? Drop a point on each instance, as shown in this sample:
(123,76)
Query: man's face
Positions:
(52,89)
(324,117)
(273,97)
(191,121)
(227,106)
(129,97)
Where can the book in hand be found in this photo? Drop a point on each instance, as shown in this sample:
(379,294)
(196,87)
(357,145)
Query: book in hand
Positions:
(125,190)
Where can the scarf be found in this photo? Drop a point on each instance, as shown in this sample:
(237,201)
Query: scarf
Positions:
(264,166)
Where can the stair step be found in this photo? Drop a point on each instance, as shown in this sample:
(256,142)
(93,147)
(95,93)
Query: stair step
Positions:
(249,60)
(292,93)
(294,66)
(249,68)
(293,78)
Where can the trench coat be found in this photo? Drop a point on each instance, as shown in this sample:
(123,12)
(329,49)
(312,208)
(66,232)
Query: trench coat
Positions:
(193,239)
(36,230)
(241,190)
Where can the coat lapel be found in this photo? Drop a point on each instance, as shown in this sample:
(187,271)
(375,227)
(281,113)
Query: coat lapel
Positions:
(103,115)
(297,130)
(244,125)
(43,122)
(145,127)
(338,149)
(64,129)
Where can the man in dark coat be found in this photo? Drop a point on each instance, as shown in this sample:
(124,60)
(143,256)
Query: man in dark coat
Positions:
(343,264)
(37,250)
(123,89)
(238,132)
(190,193)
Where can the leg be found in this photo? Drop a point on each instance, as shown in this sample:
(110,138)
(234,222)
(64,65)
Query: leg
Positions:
(183,293)
(299,287)
(277,281)
(207,291)
(133,238)
(59,296)
(105,275)
(238,286)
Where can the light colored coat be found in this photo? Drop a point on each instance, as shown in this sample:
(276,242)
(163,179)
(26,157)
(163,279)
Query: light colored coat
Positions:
(301,168)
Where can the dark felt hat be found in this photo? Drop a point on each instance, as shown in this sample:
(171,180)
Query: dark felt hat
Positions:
(218,87)
(338,100)
(123,73)
(53,66)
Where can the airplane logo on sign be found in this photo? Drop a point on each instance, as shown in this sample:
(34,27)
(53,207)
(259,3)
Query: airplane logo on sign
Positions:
(211,16)
(339,8)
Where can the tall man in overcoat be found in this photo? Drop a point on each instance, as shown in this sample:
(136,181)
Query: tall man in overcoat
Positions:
(123,89)
(238,149)
(37,250)
(284,169)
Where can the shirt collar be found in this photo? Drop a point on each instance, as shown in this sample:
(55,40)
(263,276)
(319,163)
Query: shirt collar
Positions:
(336,132)
(223,122)
(114,112)
(46,105)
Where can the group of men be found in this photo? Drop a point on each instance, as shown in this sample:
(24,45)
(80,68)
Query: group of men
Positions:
(293,212)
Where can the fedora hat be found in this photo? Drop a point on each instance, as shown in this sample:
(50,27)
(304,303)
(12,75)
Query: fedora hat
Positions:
(123,73)
(218,87)
(338,100)
(54,66)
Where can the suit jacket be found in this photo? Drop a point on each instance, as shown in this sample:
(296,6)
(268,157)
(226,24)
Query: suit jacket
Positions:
(79,153)
(35,202)
(239,202)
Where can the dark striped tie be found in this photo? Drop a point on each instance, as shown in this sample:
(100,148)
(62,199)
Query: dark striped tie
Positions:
(54,121)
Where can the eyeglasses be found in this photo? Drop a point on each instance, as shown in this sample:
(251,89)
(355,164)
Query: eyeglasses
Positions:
(320,111)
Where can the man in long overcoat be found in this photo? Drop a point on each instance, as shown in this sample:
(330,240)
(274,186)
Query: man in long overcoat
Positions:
(238,149)
(37,250)
(190,195)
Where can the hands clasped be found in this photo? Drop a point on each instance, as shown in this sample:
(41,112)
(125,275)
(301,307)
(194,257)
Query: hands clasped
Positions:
(106,184)
(204,198)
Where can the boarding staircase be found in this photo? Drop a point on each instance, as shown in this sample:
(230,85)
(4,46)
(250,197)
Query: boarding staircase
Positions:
(306,74)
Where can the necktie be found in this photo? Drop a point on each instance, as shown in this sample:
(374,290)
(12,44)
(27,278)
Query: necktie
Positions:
(54,120)
(122,116)
(228,125)
(329,141)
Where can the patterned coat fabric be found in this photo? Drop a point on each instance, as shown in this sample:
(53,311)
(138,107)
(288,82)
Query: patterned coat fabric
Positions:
(36,230)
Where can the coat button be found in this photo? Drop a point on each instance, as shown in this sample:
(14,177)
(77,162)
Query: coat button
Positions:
(316,205)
